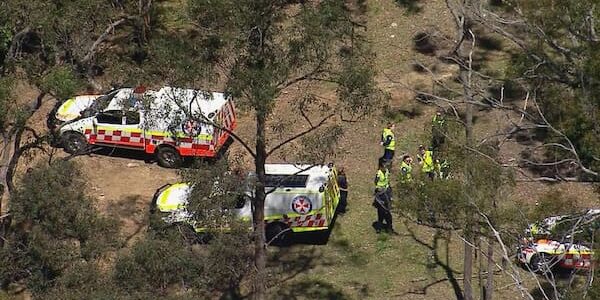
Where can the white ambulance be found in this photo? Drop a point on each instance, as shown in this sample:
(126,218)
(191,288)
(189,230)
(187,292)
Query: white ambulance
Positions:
(301,198)
(544,255)
(171,123)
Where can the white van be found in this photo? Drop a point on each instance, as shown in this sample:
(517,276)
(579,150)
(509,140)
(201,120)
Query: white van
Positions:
(300,198)
(157,122)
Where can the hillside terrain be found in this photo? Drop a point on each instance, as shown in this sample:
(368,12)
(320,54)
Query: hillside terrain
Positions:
(356,263)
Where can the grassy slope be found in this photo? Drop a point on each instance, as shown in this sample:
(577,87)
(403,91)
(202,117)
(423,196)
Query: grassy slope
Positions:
(357,263)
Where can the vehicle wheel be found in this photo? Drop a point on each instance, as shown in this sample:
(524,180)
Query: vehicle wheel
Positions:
(168,157)
(74,143)
(539,263)
(278,234)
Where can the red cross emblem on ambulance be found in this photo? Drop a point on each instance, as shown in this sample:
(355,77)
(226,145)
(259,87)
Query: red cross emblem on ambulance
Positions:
(301,205)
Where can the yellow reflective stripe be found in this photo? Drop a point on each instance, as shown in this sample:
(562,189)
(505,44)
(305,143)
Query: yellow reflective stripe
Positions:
(116,128)
(162,203)
(63,111)
(65,106)
(304,229)
(206,137)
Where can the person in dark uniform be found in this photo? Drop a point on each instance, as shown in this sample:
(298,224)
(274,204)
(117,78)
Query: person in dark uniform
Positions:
(382,201)
(438,131)
(343,184)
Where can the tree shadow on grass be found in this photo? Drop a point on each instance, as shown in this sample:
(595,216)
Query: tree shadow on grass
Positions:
(310,289)
(286,263)
(126,209)
(412,6)
(436,261)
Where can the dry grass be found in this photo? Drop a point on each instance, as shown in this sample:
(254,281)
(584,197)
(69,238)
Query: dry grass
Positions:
(356,263)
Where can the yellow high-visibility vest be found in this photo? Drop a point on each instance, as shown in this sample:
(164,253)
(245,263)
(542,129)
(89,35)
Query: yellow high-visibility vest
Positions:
(388,132)
(383,179)
(428,162)
(438,121)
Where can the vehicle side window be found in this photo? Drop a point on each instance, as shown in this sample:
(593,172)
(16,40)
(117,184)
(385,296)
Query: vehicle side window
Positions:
(132,118)
(110,117)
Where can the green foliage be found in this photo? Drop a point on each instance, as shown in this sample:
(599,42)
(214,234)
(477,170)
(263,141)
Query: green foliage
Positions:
(271,50)
(554,203)
(154,264)
(61,82)
(84,280)
(55,226)
(5,102)
(164,259)
(566,83)
(477,183)
(5,39)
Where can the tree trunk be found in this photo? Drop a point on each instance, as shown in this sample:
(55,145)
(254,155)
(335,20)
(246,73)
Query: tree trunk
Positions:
(258,212)
(479,255)
(465,78)
(489,284)
(5,158)
(468,267)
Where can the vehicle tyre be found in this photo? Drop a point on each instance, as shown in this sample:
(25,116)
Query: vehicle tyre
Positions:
(278,234)
(539,263)
(168,157)
(74,143)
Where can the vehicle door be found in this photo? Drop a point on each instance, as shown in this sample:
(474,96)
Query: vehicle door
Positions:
(114,127)
(332,194)
(131,130)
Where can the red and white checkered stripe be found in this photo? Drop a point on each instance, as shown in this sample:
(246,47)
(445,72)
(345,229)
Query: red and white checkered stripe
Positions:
(115,136)
(577,261)
(119,136)
(315,220)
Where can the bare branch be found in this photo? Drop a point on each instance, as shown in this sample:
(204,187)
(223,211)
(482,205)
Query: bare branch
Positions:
(102,38)
(301,134)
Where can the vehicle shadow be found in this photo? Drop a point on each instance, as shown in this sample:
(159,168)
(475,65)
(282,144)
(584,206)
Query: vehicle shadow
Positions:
(123,153)
(139,155)
(286,264)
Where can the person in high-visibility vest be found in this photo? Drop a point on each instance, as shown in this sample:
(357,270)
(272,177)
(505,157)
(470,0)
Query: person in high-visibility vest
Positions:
(388,141)
(438,130)
(427,162)
(382,201)
(406,169)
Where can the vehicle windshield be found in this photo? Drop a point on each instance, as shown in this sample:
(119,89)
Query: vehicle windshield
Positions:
(290,181)
(99,104)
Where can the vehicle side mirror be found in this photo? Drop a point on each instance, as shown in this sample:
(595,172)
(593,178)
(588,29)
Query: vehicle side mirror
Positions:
(94,122)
